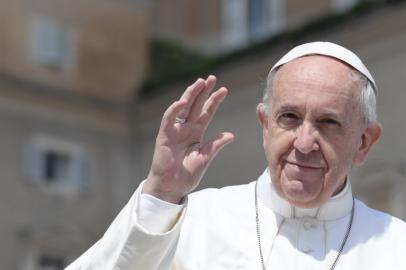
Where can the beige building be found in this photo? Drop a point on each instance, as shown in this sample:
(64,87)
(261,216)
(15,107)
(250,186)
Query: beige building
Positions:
(219,26)
(68,72)
(76,138)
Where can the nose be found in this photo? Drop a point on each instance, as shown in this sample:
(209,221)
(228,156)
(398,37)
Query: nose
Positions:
(306,139)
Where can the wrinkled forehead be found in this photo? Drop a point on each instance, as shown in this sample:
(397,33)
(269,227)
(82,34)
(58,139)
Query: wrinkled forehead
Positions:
(321,66)
(325,49)
(316,72)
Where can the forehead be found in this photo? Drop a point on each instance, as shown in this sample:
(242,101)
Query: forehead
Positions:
(316,73)
(317,81)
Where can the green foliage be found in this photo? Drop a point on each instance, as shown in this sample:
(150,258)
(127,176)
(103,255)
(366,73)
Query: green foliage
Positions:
(170,62)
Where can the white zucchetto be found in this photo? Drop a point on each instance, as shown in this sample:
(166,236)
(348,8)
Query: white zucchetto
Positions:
(327,49)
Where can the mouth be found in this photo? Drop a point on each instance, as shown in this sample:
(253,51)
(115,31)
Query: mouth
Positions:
(305,165)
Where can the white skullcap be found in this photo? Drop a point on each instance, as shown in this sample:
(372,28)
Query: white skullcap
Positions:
(328,49)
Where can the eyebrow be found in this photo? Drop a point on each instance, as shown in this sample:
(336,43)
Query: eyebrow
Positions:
(331,115)
(286,107)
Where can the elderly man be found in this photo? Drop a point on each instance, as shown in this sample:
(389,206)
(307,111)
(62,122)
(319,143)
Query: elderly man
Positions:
(318,120)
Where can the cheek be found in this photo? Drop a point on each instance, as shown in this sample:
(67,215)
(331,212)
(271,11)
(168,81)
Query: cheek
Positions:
(339,156)
(276,144)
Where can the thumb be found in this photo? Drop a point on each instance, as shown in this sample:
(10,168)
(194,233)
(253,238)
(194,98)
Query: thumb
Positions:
(215,144)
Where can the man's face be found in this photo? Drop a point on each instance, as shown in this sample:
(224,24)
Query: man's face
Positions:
(314,130)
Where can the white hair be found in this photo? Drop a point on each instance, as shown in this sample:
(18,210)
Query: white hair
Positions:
(366,96)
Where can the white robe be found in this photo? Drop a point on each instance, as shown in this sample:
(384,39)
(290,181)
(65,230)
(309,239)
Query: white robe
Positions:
(217,230)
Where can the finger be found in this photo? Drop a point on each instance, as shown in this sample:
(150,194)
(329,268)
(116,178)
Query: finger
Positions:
(172,112)
(215,144)
(196,109)
(190,95)
(211,106)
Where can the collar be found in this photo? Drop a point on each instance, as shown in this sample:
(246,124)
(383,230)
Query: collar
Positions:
(336,207)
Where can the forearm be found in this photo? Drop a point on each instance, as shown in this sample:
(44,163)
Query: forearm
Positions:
(138,238)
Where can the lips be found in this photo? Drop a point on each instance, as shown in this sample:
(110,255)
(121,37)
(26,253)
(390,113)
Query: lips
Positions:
(304,165)
(303,172)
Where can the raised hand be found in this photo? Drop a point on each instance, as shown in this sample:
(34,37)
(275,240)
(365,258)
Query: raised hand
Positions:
(180,157)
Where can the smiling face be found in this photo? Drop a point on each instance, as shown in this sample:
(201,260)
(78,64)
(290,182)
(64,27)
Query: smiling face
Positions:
(314,131)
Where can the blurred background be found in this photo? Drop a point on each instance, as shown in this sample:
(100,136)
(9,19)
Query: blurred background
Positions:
(83,85)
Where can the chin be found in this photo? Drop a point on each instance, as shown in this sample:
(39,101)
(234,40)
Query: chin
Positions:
(301,198)
(301,193)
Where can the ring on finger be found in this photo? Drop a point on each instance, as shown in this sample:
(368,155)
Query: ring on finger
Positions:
(180,120)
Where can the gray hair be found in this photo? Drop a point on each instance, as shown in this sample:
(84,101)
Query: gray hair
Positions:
(366,96)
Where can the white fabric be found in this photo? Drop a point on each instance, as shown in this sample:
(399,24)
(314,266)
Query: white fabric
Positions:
(337,207)
(128,245)
(157,215)
(327,49)
(218,232)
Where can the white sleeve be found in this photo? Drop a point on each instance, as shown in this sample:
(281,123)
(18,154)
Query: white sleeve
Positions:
(157,216)
(144,235)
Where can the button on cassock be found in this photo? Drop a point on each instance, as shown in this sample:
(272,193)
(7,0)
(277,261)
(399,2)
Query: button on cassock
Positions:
(307,250)
(308,225)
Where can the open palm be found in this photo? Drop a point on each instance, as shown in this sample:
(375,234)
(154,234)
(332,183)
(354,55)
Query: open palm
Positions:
(180,158)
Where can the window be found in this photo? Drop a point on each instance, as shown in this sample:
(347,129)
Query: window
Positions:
(46,262)
(51,44)
(250,20)
(37,258)
(257,18)
(234,23)
(57,165)
(265,18)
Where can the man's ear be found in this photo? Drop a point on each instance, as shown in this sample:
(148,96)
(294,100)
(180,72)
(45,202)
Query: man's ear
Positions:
(262,115)
(368,140)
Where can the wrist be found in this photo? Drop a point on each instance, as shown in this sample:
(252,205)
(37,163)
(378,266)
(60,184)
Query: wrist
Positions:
(162,194)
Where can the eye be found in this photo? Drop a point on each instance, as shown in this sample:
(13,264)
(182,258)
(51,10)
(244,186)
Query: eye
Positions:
(288,119)
(289,116)
(330,122)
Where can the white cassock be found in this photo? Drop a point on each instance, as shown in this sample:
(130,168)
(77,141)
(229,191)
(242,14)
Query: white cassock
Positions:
(216,229)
